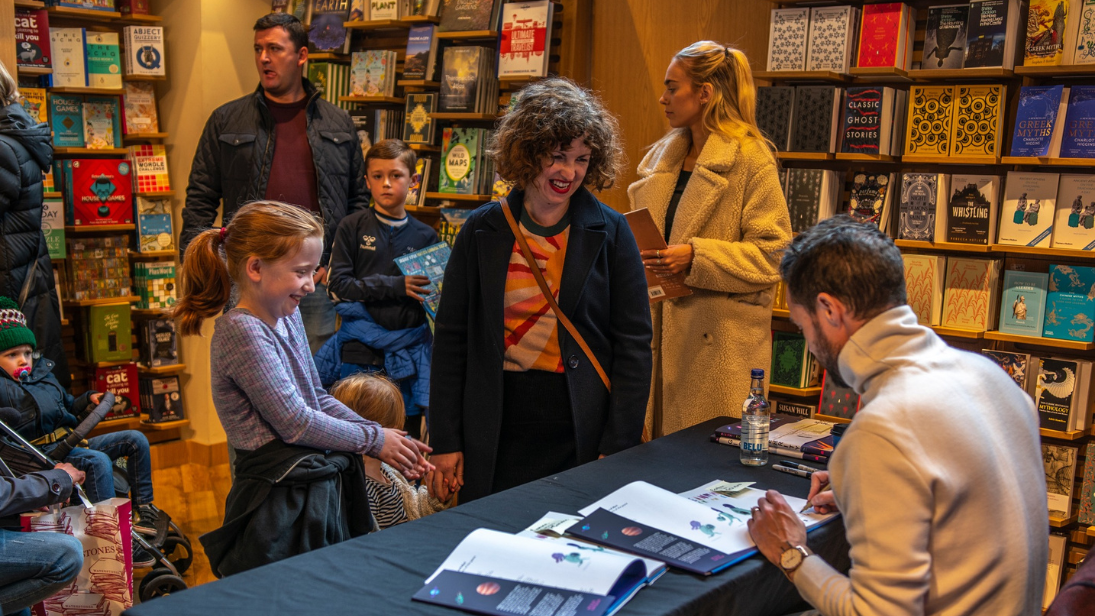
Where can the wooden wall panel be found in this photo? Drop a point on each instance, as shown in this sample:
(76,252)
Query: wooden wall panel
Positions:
(633,42)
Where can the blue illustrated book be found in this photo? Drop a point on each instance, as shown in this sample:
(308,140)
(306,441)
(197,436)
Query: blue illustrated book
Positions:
(67,120)
(1078,140)
(1070,303)
(1034,120)
(1024,302)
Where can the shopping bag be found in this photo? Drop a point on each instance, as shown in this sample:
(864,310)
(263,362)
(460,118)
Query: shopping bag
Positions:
(104,586)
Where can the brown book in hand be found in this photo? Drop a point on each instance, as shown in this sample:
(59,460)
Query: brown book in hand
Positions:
(648,237)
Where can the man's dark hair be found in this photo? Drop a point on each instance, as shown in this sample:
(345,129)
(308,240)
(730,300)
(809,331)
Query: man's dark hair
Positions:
(297,34)
(854,262)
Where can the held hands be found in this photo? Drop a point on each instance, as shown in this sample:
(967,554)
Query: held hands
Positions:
(405,454)
(320,275)
(448,477)
(823,502)
(775,526)
(416,287)
(95,399)
(76,474)
(668,261)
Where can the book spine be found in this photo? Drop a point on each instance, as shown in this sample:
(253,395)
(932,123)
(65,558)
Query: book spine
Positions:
(781,451)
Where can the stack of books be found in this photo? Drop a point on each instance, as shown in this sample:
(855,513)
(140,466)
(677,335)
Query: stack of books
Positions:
(788,435)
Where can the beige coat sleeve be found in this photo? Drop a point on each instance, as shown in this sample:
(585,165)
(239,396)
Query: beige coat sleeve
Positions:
(417,502)
(752,264)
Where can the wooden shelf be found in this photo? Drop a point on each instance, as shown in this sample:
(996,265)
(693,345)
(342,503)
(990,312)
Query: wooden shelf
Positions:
(144,137)
(1043,161)
(467,35)
(53,195)
(1073,345)
(171,369)
(88,14)
(110,364)
(442,115)
(165,425)
(90,151)
(954,332)
(804,156)
(98,228)
(154,254)
(30,4)
(452,197)
(943,246)
(831,418)
(330,57)
(951,160)
(106,301)
(828,76)
(808,392)
(424,147)
(423,209)
(144,77)
(1091,531)
(1056,522)
(876,158)
(1045,252)
(150,313)
(379,24)
(154,195)
(781,313)
(142,19)
(64,322)
(1071,435)
(417,83)
(943,74)
(418,20)
(1066,70)
(882,73)
(34,70)
(387,100)
(94,91)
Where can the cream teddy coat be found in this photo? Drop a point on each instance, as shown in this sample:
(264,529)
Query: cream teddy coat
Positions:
(734,215)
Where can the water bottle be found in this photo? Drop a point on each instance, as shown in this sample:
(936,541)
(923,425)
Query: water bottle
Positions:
(755,418)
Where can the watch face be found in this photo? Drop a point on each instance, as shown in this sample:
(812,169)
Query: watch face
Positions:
(790,559)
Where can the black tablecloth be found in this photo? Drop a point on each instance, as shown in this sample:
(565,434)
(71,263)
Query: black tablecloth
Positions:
(378,573)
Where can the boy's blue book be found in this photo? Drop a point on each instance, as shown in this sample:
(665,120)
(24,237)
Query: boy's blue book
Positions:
(1070,303)
(1035,119)
(66,120)
(1024,302)
(1078,140)
(429,262)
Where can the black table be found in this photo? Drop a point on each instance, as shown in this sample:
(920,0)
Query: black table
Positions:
(378,573)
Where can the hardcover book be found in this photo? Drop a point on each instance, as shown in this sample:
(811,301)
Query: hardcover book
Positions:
(1087,495)
(418,120)
(98,192)
(161,400)
(460,78)
(881,35)
(832,38)
(945,37)
(1074,227)
(104,61)
(122,382)
(523,45)
(154,229)
(1024,302)
(1060,467)
(1036,120)
(159,343)
(53,227)
(1078,139)
(1047,21)
(868,117)
(150,168)
(986,43)
(67,120)
(971,214)
(132,7)
(1017,365)
(144,51)
(155,284)
(816,115)
(467,15)
(36,103)
(924,286)
(969,293)
(109,333)
(811,196)
(1070,303)
(421,55)
(382,10)
(140,108)
(102,122)
(870,197)
(326,30)
(1085,34)
(69,64)
(922,210)
(332,81)
(459,148)
(369,73)
(32,38)
(429,262)
(787,37)
(931,111)
(1028,210)
(837,401)
(975,130)
(91,5)
(648,237)
(775,105)
(416,194)
(792,363)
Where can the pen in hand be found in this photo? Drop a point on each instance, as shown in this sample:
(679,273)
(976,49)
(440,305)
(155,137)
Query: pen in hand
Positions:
(825,487)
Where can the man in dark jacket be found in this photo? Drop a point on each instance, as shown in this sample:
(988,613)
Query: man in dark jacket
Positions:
(282,143)
(25,152)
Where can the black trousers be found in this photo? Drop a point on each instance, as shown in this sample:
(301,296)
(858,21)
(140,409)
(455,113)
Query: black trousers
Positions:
(537,437)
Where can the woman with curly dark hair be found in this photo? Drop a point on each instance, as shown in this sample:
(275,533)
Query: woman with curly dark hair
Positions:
(515,395)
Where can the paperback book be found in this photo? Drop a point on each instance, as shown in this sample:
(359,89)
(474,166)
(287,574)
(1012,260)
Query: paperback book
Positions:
(462,75)
(787,37)
(429,262)
(1074,227)
(332,81)
(1084,51)
(832,38)
(144,51)
(140,108)
(460,149)
(416,194)
(32,48)
(931,110)
(882,35)
(523,44)
(945,37)
(104,61)
(1022,308)
(792,363)
(924,286)
(53,227)
(102,123)
(1070,303)
(922,208)
(869,114)
(154,283)
(816,120)
(154,229)
(1016,365)
(870,197)
(421,58)
(161,400)
(1057,392)
(775,105)
(1078,140)
(789,433)
(468,15)
(1047,23)
(975,130)
(988,43)
(69,64)
(150,168)
(67,120)
(971,214)
(419,125)
(969,293)
(1060,468)
(1087,494)
(1039,121)
(122,382)
(109,333)
(647,237)
(372,73)
(36,103)
(811,196)
(158,343)
(1029,204)
(326,30)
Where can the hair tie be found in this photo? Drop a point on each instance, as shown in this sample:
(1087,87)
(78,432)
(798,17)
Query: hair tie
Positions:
(224,233)
(726,52)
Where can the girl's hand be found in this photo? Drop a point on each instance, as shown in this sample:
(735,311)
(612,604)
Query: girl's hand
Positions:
(96,399)
(404,454)
(669,261)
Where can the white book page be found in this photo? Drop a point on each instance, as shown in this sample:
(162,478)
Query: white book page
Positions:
(501,555)
(797,434)
(738,502)
(552,526)
(661,509)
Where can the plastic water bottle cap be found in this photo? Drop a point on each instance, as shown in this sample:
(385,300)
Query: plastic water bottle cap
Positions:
(757,373)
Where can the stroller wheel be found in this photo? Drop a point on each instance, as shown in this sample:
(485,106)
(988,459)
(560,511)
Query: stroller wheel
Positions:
(160,583)
(177,550)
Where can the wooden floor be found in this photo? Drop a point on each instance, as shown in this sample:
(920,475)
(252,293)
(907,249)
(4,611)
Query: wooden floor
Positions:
(194,496)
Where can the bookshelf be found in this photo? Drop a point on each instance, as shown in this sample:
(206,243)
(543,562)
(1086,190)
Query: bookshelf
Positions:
(803,392)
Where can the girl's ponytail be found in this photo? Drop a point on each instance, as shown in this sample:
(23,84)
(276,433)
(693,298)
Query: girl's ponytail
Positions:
(205,284)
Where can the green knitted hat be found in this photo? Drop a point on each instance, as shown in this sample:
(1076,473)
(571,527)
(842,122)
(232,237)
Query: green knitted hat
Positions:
(13,326)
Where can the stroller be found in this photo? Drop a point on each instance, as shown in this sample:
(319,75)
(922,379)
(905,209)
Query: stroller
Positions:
(170,548)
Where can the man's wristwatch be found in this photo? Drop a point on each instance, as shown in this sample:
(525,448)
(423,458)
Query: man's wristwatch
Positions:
(792,558)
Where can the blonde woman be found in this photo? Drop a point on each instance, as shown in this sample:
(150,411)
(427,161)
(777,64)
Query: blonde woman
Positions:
(712,187)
